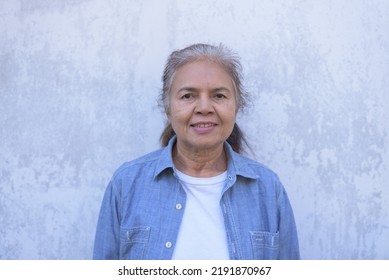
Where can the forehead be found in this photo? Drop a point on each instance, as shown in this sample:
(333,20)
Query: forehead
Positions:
(202,73)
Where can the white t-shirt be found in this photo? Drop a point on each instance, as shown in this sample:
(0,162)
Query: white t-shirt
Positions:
(202,233)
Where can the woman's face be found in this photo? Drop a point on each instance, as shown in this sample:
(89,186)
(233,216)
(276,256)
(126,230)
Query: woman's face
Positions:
(202,105)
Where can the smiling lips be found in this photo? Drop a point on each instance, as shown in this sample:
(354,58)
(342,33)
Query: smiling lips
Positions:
(203,127)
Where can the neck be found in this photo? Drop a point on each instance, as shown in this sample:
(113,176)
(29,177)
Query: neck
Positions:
(200,163)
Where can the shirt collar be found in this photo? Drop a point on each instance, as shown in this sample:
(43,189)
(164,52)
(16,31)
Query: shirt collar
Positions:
(238,165)
(165,160)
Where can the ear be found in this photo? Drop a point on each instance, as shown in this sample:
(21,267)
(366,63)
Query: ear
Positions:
(168,117)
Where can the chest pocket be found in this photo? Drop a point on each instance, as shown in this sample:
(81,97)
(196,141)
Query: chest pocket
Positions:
(265,245)
(133,242)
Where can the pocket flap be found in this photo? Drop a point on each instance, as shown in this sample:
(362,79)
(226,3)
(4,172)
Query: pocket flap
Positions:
(135,235)
(264,239)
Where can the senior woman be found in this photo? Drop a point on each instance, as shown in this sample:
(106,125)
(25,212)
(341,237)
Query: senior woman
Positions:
(197,197)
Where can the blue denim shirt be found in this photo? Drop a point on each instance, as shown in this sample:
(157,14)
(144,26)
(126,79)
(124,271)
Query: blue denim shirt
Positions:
(144,204)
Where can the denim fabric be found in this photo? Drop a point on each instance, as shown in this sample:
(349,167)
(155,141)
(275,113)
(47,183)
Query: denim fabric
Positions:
(144,203)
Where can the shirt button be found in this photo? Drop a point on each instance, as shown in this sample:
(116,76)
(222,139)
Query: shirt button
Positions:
(229,177)
(168,244)
(178,206)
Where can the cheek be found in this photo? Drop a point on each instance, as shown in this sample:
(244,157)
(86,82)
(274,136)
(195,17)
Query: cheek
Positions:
(231,112)
(176,116)
(171,113)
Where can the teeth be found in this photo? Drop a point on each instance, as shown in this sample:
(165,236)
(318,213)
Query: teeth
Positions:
(203,125)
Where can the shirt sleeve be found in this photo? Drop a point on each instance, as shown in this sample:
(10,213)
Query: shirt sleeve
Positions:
(289,245)
(107,239)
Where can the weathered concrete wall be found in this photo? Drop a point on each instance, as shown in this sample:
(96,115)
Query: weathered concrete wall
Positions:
(78,88)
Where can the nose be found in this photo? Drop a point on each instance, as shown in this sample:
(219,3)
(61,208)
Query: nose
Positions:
(204,105)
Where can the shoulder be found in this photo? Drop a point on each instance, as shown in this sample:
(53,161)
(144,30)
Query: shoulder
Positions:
(259,177)
(251,168)
(147,162)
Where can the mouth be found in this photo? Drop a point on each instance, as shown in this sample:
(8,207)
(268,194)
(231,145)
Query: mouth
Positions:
(203,125)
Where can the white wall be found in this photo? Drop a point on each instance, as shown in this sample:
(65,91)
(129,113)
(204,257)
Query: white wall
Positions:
(78,88)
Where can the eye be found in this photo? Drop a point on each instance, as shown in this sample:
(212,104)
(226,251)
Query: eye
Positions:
(220,96)
(187,96)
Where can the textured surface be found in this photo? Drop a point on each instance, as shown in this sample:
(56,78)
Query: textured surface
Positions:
(78,87)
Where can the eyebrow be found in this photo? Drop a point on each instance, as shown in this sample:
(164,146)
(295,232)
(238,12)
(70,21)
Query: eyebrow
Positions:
(191,89)
(187,89)
(221,89)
